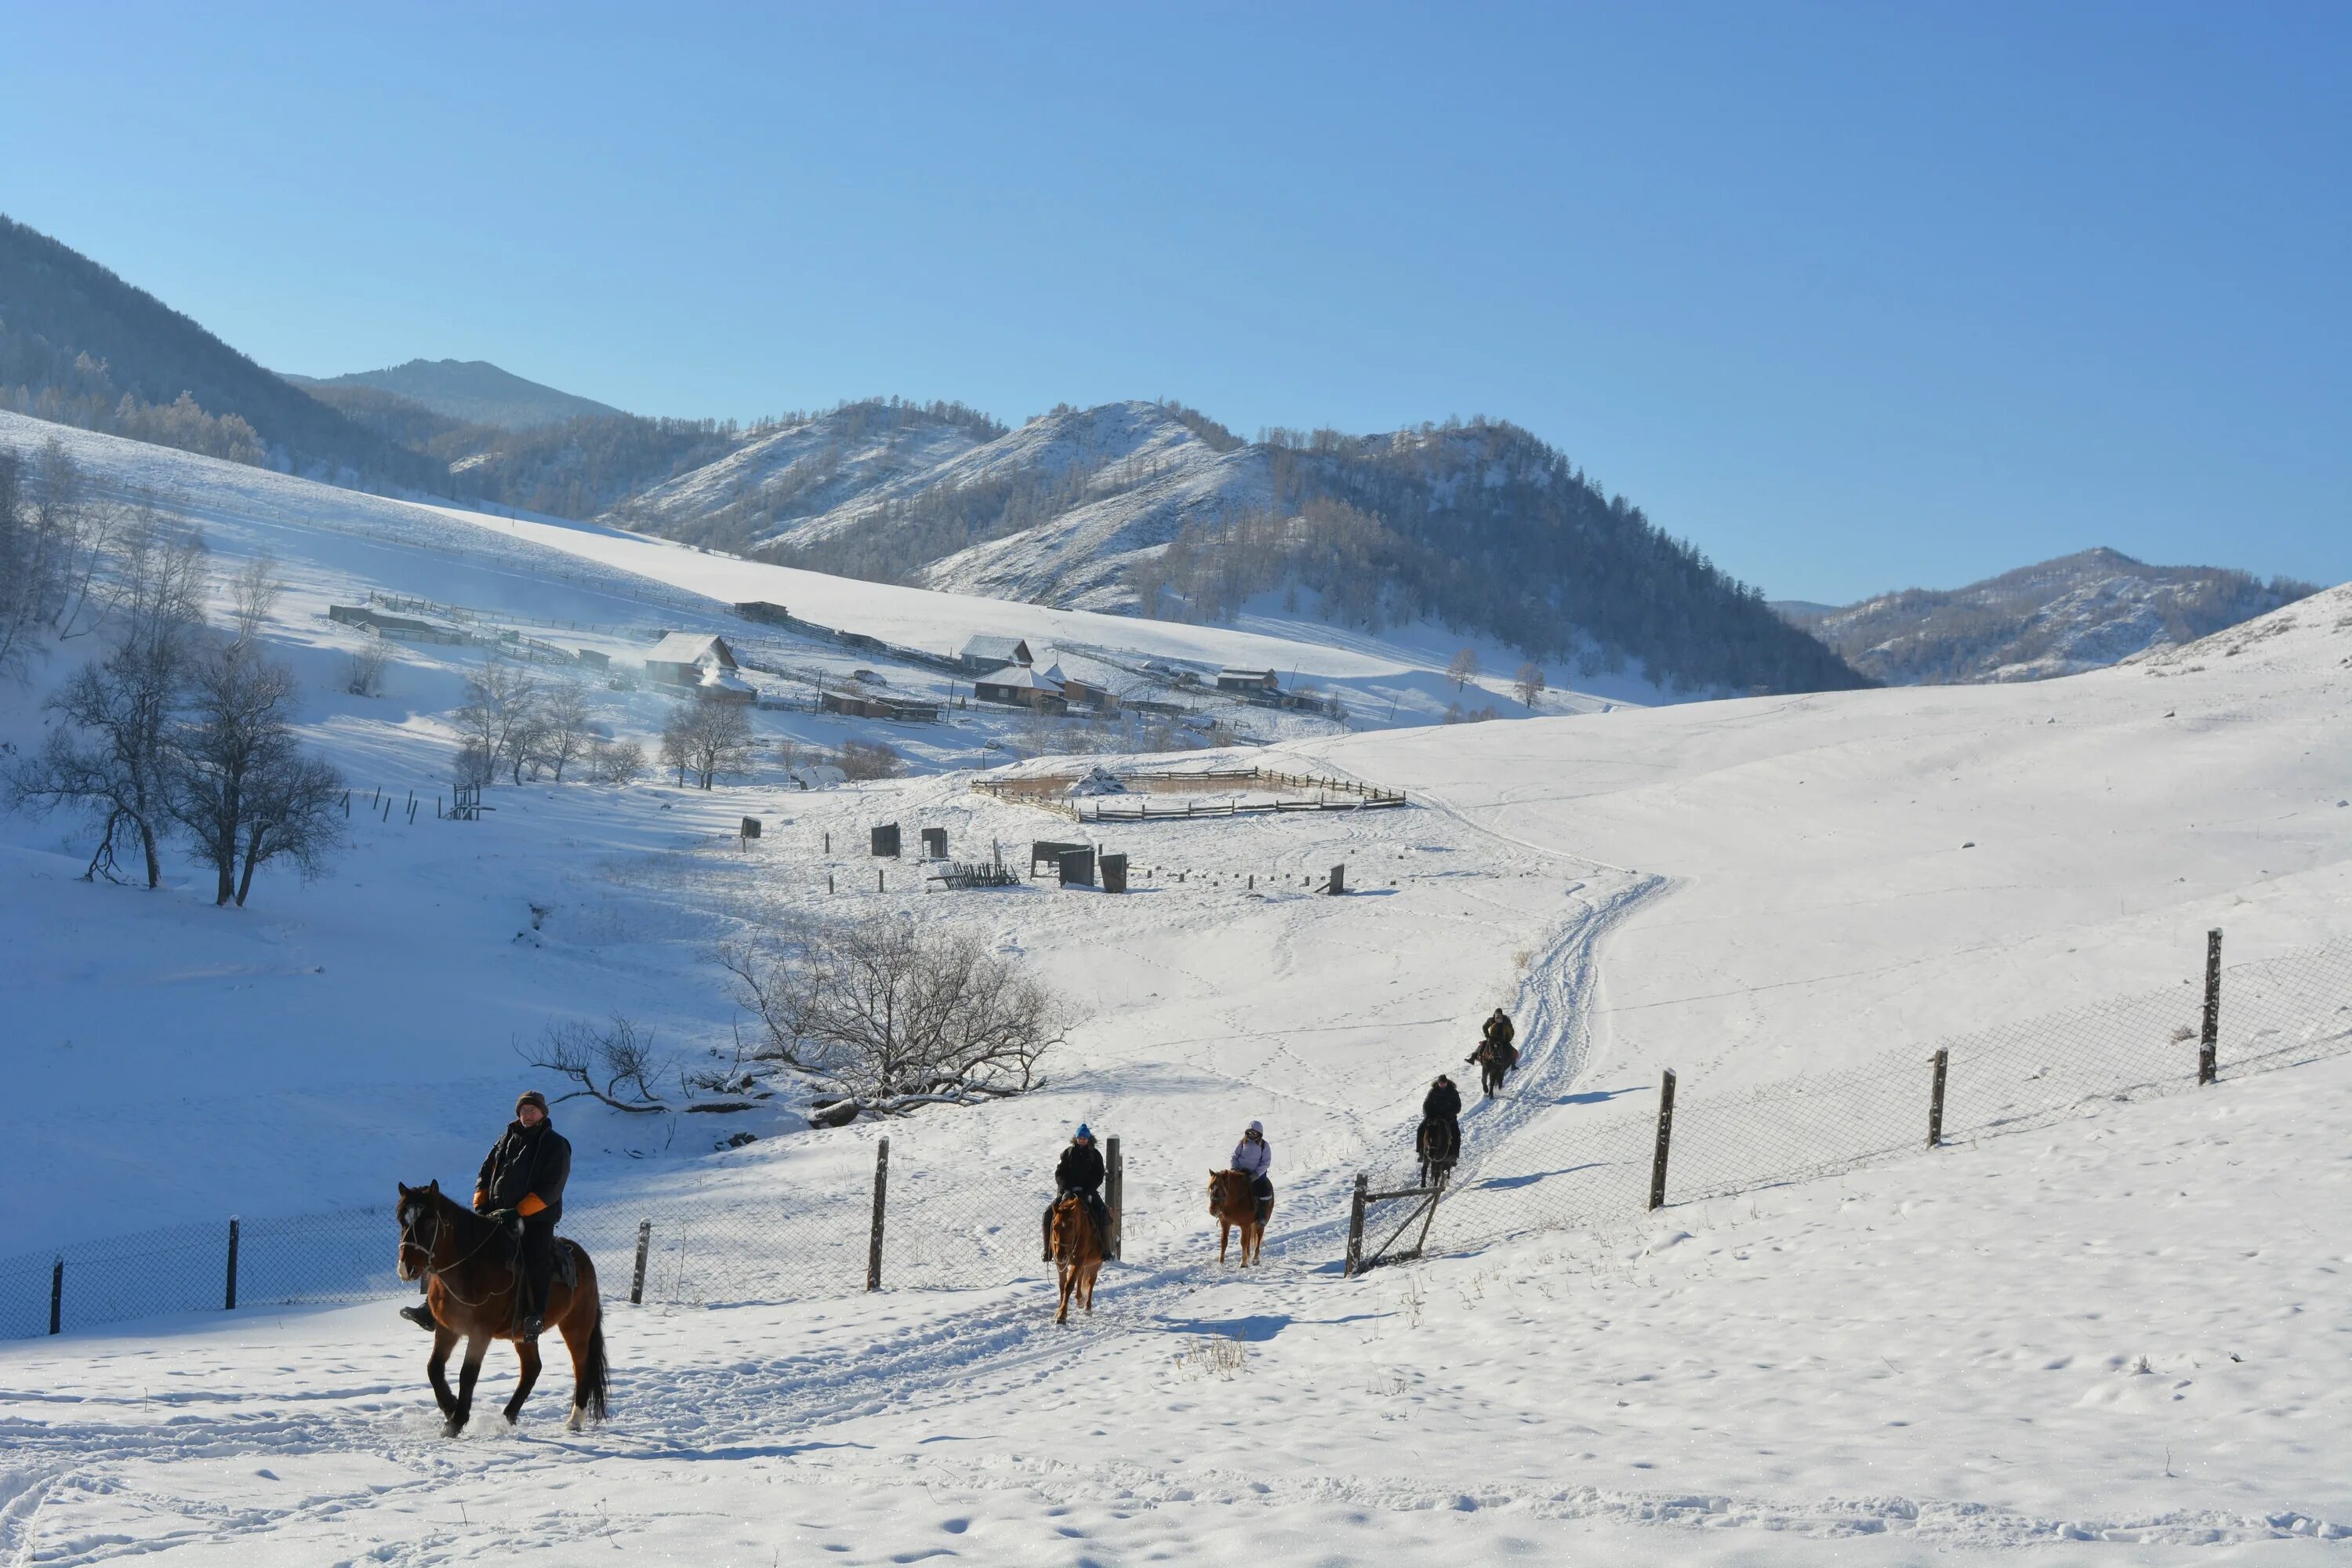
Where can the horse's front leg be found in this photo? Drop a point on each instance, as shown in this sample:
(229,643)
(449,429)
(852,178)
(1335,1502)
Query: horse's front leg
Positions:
(527,1352)
(1069,1281)
(477,1346)
(1224,1238)
(436,1367)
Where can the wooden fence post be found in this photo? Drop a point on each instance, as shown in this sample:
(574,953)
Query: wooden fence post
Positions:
(1356,1228)
(57,1294)
(1665,1137)
(229,1304)
(1115,1192)
(637,1275)
(1935,1100)
(881,1192)
(2209,1038)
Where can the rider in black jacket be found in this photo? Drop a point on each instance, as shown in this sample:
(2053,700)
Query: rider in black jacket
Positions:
(522,1187)
(1079,1170)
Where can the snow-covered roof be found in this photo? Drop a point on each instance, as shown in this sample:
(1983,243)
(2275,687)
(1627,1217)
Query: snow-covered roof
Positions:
(1021,676)
(1004,650)
(725,679)
(690,648)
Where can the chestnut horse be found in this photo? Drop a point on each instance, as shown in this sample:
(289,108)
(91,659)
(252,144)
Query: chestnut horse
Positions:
(471,1278)
(1234,1207)
(1077,1252)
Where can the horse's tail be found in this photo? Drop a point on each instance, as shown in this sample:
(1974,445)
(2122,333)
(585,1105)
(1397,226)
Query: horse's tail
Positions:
(595,1372)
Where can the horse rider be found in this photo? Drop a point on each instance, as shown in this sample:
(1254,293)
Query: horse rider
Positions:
(1442,1102)
(1494,1037)
(1080,1171)
(1441,1107)
(520,1189)
(1254,1157)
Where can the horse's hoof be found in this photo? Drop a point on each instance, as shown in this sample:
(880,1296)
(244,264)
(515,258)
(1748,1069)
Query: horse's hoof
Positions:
(451,1426)
(576,1423)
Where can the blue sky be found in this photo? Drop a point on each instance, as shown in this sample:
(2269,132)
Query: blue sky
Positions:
(1854,296)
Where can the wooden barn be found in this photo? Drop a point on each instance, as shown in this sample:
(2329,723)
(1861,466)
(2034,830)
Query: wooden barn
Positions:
(1247,680)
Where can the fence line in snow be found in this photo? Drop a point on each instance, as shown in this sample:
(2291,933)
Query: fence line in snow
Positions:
(1578,1165)
(1599,1164)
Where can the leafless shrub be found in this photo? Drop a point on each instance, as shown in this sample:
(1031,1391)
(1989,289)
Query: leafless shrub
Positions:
(252,594)
(889,1015)
(365,677)
(866,760)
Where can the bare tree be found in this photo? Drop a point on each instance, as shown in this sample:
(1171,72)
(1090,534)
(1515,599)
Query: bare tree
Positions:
(618,1066)
(614,762)
(53,540)
(706,739)
(365,677)
(290,816)
(499,717)
(252,594)
(562,731)
(1463,669)
(1528,683)
(241,788)
(108,753)
(887,1015)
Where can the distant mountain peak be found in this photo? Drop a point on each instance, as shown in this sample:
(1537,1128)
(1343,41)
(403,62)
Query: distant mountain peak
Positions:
(2061,616)
(473,391)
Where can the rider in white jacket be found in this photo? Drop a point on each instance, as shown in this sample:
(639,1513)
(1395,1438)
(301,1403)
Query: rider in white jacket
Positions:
(1255,1157)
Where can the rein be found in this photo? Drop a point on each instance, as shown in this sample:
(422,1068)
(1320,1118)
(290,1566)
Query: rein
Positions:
(441,1223)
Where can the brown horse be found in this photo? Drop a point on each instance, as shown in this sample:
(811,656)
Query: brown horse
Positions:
(471,1278)
(1078,1252)
(1234,1206)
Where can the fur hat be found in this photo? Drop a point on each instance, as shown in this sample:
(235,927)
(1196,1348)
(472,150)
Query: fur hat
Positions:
(531,1096)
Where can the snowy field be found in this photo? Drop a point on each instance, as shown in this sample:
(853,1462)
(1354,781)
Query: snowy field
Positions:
(2122,1338)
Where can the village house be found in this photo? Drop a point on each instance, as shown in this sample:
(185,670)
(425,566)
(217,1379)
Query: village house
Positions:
(700,663)
(983,653)
(1246,680)
(1023,688)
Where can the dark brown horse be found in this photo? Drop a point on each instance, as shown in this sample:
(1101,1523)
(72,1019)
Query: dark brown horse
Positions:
(1077,1253)
(1234,1206)
(471,1278)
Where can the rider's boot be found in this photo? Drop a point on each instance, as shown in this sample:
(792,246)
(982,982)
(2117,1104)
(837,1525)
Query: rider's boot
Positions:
(422,1316)
(532,1327)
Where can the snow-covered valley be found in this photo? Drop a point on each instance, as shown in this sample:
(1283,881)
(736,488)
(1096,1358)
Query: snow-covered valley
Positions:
(2123,1335)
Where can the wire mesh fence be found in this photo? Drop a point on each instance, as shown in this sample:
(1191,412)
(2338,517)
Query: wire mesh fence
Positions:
(1603,1163)
(1593,1161)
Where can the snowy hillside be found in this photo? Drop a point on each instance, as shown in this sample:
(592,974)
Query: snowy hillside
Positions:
(2060,618)
(2122,1326)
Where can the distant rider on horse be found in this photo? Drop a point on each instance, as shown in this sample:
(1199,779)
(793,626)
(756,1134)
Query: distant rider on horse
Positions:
(1254,1157)
(1495,1055)
(1080,1171)
(1439,1141)
(522,1188)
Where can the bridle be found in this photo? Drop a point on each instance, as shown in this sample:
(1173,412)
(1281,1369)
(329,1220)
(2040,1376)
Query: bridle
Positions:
(409,1243)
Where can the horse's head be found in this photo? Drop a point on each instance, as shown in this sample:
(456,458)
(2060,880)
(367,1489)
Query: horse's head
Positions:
(1223,1192)
(419,1214)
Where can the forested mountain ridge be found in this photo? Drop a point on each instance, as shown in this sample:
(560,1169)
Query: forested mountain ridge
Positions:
(2078,611)
(81,346)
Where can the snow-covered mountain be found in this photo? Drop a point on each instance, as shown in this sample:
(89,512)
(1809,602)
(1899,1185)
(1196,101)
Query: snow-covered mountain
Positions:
(2078,611)
(1151,508)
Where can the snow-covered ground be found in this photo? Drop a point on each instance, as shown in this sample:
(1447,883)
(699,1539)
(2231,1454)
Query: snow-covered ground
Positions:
(2128,1328)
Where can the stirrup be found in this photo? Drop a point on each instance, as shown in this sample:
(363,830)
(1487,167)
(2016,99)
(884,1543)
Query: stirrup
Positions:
(533,1326)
